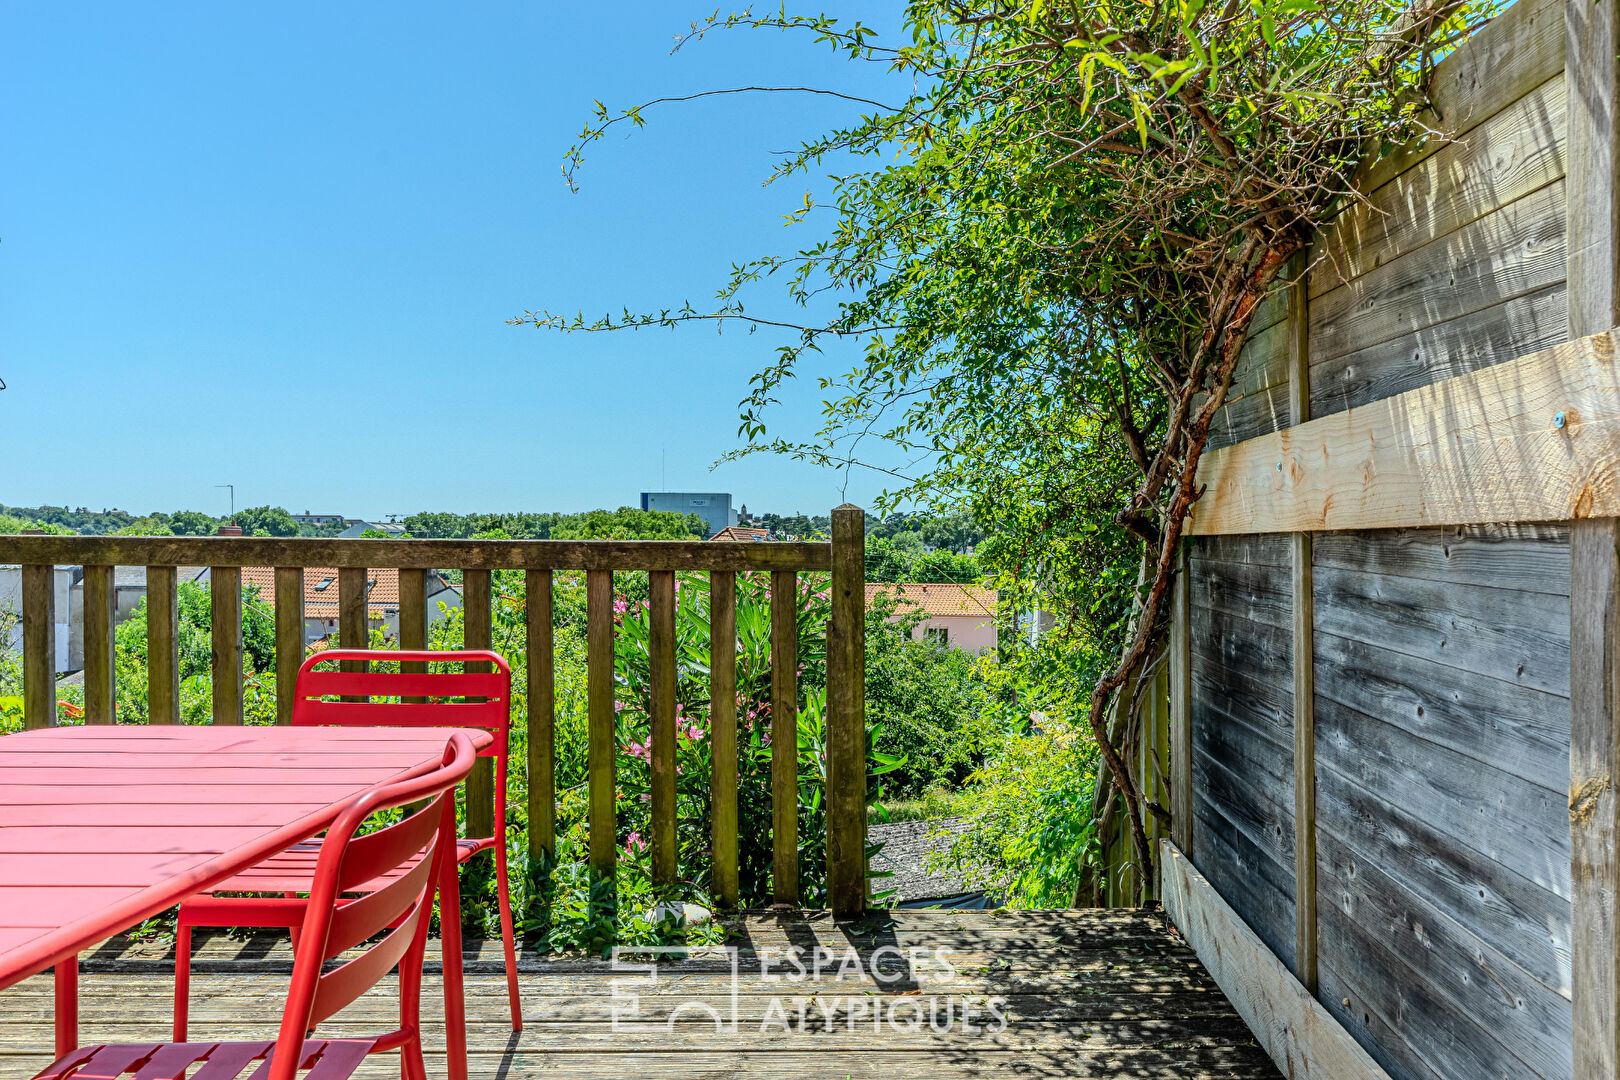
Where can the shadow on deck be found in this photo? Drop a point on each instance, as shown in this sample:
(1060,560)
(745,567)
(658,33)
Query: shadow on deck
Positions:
(906,994)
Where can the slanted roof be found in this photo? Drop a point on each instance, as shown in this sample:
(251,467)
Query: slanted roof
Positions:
(321,590)
(938,598)
(739,532)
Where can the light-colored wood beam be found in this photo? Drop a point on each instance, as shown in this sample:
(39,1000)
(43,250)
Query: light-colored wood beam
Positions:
(1533,439)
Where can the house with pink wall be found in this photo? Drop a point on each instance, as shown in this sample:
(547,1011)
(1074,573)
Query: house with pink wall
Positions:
(961,616)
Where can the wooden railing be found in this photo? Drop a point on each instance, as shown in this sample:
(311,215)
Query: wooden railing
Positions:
(539,560)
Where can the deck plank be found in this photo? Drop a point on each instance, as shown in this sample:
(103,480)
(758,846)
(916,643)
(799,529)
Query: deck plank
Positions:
(1084,994)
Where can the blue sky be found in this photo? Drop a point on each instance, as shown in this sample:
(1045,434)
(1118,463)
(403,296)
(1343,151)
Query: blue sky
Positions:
(276,246)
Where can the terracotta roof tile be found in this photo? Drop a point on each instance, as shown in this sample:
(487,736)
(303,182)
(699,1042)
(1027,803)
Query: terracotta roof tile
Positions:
(938,598)
(740,532)
(322,603)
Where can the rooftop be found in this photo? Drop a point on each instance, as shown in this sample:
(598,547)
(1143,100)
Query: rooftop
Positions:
(937,597)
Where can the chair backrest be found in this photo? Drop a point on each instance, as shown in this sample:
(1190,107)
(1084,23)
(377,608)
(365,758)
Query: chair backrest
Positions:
(346,860)
(425,698)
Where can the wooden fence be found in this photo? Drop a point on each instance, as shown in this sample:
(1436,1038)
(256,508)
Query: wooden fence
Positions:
(539,560)
(1393,708)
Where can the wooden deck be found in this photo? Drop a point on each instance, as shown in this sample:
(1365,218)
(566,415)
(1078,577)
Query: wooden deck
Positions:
(1085,994)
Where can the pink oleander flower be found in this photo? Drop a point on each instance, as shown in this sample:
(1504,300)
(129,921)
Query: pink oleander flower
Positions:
(619,606)
(823,595)
(618,706)
(645,797)
(645,604)
(634,843)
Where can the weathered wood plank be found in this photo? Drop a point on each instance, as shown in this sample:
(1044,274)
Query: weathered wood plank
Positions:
(1516,250)
(1259,549)
(1463,977)
(1259,594)
(1181,741)
(1498,633)
(1370,991)
(1301,1037)
(162,646)
(472,554)
(99,664)
(1259,413)
(1529,440)
(600,768)
(478,632)
(1517,729)
(289,600)
(1592,42)
(354,624)
(1516,327)
(413,621)
(1528,923)
(661,668)
(1512,154)
(785,736)
(1500,816)
(846,715)
(39,645)
(1519,50)
(1594,820)
(1525,557)
(1257,805)
(1258,888)
(225,613)
(1304,767)
(540,712)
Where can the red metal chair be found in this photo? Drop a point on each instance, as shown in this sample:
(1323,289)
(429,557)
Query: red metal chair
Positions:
(290,873)
(410,853)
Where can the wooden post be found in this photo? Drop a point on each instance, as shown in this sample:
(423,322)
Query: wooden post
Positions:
(846,716)
(785,738)
(1299,403)
(1181,808)
(661,669)
(98,645)
(1592,156)
(413,621)
(225,615)
(162,645)
(39,645)
(289,637)
(541,715)
(599,709)
(478,629)
(723,733)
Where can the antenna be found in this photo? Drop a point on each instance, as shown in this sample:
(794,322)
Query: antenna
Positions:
(233,499)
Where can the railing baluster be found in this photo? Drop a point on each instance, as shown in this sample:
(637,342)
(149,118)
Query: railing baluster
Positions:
(354,623)
(162,645)
(723,732)
(661,670)
(413,621)
(98,644)
(541,715)
(599,695)
(225,612)
(785,737)
(39,645)
(846,715)
(289,637)
(478,633)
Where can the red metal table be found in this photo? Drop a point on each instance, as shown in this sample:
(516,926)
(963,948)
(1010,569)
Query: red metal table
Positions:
(104,827)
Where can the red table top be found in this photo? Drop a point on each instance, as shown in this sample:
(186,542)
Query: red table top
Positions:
(104,827)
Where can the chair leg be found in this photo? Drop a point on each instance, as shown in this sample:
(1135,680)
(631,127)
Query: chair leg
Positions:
(503,895)
(182,979)
(455,1005)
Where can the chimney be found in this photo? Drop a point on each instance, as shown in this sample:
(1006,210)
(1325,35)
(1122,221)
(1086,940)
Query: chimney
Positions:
(229,530)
